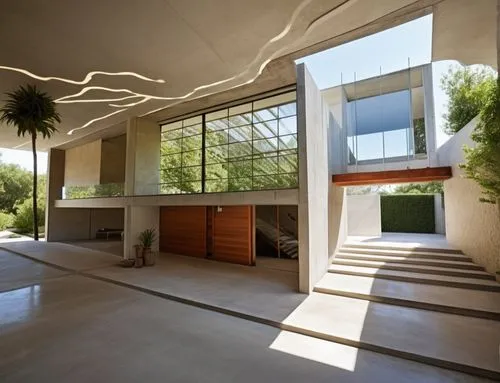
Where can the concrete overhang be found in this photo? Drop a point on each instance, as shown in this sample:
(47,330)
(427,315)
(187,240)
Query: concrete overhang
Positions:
(466,31)
(105,61)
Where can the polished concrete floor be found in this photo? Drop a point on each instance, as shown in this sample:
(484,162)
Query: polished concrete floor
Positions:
(56,326)
(406,240)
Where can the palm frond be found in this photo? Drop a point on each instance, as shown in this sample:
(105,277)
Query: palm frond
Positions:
(32,111)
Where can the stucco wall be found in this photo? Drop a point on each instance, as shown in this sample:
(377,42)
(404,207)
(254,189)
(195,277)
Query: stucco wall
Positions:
(113,154)
(471,226)
(83,165)
(314,180)
(364,215)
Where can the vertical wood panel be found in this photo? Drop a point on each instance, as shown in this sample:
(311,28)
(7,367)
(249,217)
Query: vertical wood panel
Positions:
(183,230)
(233,239)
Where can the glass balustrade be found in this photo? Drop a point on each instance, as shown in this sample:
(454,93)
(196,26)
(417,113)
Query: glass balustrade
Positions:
(93,191)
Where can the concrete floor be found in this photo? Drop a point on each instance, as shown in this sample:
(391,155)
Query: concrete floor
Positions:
(65,327)
(406,240)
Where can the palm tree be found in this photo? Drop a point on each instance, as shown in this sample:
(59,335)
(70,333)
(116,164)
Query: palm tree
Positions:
(34,113)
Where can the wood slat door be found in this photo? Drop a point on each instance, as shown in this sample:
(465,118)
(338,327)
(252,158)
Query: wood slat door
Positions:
(183,230)
(233,234)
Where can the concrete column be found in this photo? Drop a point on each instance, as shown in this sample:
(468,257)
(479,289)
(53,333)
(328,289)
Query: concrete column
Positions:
(138,219)
(439,220)
(62,224)
(314,180)
(142,176)
(429,115)
(142,164)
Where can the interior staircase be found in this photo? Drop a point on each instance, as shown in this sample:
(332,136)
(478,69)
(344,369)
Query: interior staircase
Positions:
(430,305)
(287,243)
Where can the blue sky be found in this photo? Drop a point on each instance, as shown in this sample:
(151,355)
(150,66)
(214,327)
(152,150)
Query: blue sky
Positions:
(388,49)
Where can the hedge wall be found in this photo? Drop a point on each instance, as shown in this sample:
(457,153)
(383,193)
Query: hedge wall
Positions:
(408,213)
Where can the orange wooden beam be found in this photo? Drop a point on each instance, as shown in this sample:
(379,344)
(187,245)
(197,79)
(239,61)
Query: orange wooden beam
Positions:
(393,176)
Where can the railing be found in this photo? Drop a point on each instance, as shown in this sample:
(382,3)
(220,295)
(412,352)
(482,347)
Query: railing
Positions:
(93,191)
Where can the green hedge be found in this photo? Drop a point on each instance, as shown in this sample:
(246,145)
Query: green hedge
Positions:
(408,213)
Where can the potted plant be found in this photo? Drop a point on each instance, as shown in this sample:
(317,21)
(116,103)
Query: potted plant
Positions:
(146,239)
(139,260)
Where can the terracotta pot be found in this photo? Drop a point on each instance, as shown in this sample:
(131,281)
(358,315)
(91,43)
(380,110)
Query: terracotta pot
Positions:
(149,256)
(139,262)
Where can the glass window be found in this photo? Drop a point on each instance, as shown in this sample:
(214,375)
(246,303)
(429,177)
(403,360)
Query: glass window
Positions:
(247,147)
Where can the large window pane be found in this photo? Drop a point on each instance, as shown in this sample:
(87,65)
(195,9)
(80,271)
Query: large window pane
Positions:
(240,119)
(192,142)
(288,164)
(288,126)
(288,110)
(243,133)
(191,173)
(240,169)
(219,137)
(171,161)
(265,129)
(242,149)
(171,147)
(216,154)
(240,184)
(265,146)
(267,165)
(265,115)
(191,158)
(288,142)
(216,186)
(216,171)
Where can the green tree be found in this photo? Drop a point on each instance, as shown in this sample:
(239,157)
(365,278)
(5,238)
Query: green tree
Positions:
(15,186)
(466,89)
(420,188)
(33,113)
(483,161)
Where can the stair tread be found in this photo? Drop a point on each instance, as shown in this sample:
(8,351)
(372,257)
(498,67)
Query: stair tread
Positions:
(401,246)
(400,252)
(375,272)
(464,341)
(409,266)
(487,301)
(403,259)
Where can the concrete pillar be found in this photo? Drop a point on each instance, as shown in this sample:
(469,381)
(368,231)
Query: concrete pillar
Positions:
(314,180)
(142,177)
(62,223)
(138,219)
(142,164)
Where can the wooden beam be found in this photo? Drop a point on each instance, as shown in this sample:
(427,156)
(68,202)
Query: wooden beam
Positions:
(393,176)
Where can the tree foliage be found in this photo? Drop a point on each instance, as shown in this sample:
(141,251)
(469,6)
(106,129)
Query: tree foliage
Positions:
(483,161)
(15,186)
(420,188)
(466,88)
(33,113)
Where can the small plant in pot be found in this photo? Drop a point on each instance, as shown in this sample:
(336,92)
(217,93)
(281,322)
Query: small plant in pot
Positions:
(147,238)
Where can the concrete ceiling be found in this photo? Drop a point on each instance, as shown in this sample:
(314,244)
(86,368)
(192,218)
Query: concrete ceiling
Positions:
(466,31)
(159,53)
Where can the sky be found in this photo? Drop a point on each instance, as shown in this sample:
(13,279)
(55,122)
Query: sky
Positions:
(388,50)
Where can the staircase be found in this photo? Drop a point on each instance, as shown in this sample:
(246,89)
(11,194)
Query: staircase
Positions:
(286,243)
(430,305)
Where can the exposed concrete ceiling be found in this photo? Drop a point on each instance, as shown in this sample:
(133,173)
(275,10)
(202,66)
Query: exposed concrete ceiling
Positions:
(465,30)
(158,53)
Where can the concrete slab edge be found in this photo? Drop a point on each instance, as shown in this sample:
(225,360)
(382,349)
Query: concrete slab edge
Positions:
(490,315)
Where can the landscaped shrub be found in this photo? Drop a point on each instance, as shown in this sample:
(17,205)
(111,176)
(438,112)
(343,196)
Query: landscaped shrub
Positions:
(408,213)
(23,221)
(5,220)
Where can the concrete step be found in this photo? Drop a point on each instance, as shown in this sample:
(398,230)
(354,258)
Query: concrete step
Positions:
(401,246)
(410,260)
(406,253)
(446,340)
(480,304)
(416,268)
(405,276)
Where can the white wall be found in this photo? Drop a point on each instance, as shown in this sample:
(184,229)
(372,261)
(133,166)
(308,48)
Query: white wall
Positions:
(363,215)
(471,226)
(82,164)
(439,214)
(314,181)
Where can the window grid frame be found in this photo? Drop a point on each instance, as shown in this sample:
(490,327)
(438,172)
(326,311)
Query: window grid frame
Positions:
(276,154)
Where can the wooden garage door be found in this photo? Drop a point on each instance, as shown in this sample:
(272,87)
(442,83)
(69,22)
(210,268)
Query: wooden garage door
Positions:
(233,234)
(183,230)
